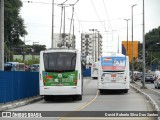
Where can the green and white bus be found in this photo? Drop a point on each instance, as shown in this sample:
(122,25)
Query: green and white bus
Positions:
(61,73)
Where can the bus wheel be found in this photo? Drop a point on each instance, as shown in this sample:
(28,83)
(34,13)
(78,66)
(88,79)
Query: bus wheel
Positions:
(46,98)
(79,97)
(101,91)
(125,91)
(74,98)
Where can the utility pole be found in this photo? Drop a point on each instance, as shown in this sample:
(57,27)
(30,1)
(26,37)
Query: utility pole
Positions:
(1,34)
(52,37)
(132,43)
(143,83)
(98,46)
(127,34)
(93,46)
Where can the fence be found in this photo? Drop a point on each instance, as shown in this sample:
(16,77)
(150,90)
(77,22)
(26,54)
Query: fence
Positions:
(87,73)
(16,85)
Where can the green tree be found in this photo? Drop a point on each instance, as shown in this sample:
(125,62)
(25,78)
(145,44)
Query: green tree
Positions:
(38,48)
(152,46)
(152,38)
(13,23)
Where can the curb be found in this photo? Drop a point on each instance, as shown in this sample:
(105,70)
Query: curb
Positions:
(153,103)
(16,104)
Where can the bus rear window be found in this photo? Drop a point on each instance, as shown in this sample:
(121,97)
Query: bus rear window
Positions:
(59,62)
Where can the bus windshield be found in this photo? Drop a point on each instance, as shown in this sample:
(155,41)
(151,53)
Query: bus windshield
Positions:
(113,63)
(59,62)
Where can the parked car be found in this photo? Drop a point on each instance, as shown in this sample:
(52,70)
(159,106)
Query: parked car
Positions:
(149,77)
(138,76)
(27,68)
(156,74)
(157,82)
(34,67)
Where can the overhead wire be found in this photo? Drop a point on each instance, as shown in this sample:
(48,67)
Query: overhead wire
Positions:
(58,4)
(79,21)
(63,5)
(29,1)
(107,14)
(76,2)
(64,1)
(98,16)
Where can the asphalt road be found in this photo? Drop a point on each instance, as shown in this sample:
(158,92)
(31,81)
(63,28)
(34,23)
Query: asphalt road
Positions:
(94,101)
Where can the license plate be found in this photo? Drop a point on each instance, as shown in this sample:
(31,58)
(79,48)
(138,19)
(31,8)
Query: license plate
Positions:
(113,75)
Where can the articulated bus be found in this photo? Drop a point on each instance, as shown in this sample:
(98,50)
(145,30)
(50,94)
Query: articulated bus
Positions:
(94,70)
(61,73)
(114,73)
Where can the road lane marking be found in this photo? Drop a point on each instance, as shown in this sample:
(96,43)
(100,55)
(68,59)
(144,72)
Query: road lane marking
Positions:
(85,105)
(113,100)
(80,108)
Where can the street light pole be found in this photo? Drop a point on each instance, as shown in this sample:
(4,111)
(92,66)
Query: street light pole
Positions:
(93,46)
(143,83)
(98,45)
(132,43)
(127,34)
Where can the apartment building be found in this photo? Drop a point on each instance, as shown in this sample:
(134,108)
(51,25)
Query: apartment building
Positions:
(64,39)
(91,47)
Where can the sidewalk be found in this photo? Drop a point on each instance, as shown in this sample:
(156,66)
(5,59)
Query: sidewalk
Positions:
(150,95)
(18,103)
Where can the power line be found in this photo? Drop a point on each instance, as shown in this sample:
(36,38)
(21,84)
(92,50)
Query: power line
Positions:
(64,2)
(68,5)
(120,18)
(98,15)
(38,2)
(107,14)
(58,4)
(79,22)
(108,18)
(76,2)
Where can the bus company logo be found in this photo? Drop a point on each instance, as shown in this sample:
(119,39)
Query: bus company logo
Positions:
(59,75)
(107,59)
(6,114)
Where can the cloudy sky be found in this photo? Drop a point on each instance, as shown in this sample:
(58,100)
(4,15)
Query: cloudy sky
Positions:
(105,15)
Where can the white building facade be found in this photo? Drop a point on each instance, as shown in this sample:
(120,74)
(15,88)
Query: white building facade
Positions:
(91,47)
(64,39)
